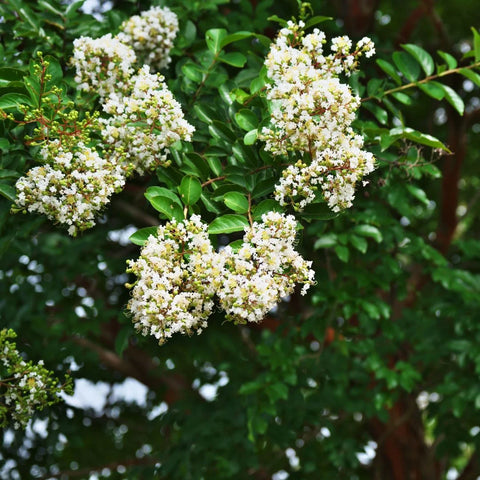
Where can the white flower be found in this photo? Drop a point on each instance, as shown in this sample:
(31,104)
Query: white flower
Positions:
(151,35)
(174,291)
(311,113)
(71,188)
(144,122)
(103,65)
(265,269)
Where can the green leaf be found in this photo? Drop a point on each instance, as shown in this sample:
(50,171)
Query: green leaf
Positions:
(8,75)
(190,190)
(326,241)
(235,37)
(421,56)
(167,207)
(318,211)
(476,44)
(54,69)
(359,243)
(246,120)
(452,97)
(251,137)
(343,253)
(188,35)
(193,72)
(8,192)
(268,205)
(9,173)
(214,38)
(407,65)
(14,100)
(418,193)
(204,113)
(228,224)
(449,59)
(368,231)
(121,340)
(236,201)
(380,114)
(141,235)
(220,131)
(471,75)
(419,137)
(277,19)
(402,98)
(390,70)
(163,192)
(433,89)
(316,20)
(236,59)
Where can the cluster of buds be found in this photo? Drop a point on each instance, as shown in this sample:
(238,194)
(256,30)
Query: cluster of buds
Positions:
(144,122)
(151,35)
(25,386)
(71,187)
(311,113)
(179,274)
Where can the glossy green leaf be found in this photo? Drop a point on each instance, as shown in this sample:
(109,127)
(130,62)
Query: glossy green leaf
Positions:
(471,75)
(228,224)
(246,120)
(236,201)
(449,59)
(433,89)
(251,137)
(343,253)
(359,243)
(193,72)
(8,192)
(402,98)
(190,190)
(380,114)
(453,99)
(476,44)
(422,57)
(311,22)
(277,19)
(326,241)
(235,37)
(8,75)
(141,235)
(214,38)
(166,206)
(13,100)
(368,231)
(390,70)
(265,206)
(163,192)
(407,65)
(236,59)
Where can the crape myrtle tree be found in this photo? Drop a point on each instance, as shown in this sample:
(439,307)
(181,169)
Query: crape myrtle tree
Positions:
(296,182)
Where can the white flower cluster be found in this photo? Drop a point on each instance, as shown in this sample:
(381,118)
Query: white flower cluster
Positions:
(151,35)
(144,122)
(103,65)
(174,291)
(71,187)
(264,269)
(26,386)
(179,274)
(311,112)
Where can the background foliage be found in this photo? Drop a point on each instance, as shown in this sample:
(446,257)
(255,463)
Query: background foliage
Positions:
(373,375)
